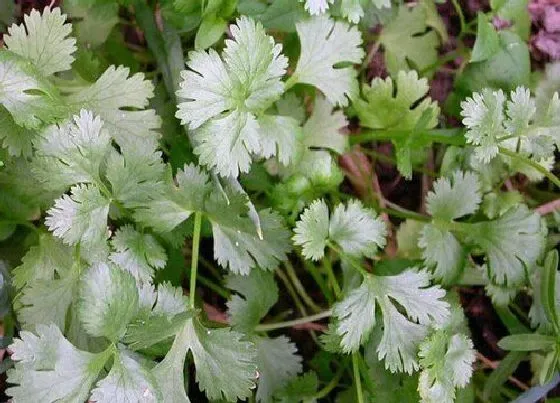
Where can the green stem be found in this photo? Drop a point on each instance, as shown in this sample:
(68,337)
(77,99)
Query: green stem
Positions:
(300,288)
(443,136)
(405,214)
(266,327)
(291,291)
(318,277)
(331,385)
(290,82)
(332,278)
(459,11)
(533,164)
(357,378)
(194,259)
(221,291)
(349,259)
(385,158)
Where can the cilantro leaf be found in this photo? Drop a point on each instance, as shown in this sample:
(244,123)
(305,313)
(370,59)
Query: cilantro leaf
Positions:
(512,243)
(72,152)
(112,96)
(316,7)
(278,363)
(108,301)
(135,174)
(442,252)
(325,43)
(322,129)
(127,381)
(225,364)
(483,116)
(446,359)
(176,203)
(406,42)
(81,218)
(46,302)
(357,230)
(18,140)
(48,368)
(139,254)
(31,99)
(238,246)
(42,261)
(454,197)
(281,139)
(258,293)
(221,97)
(43,40)
(422,304)
(406,108)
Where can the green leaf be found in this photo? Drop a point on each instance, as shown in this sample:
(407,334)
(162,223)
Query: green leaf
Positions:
(120,101)
(316,7)
(454,197)
(72,153)
(176,203)
(516,12)
(323,128)
(527,342)
(18,140)
(512,244)
(81,218)
(139,254)
(283,133)
(31,99)
(239,247)
(210,31)
(50,369)
(405,107)
(42,261)
(108,301)
(406,42)
(92,23)
(257,291)
(500,375)
(136,174)
(46,302)
(357,230)
(277,363)
(388,387)
(225,364)
(447,363)
(548,288)
(508,68)
(222,96)
(43,40)
(487,41)
(421,303)
(127,381)
(442,252)
(300,389)
(324,44)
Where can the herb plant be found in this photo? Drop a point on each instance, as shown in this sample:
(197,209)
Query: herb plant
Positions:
(188,211)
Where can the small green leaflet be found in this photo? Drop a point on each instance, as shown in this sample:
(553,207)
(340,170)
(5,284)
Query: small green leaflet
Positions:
(43,40)
(405,108)
(225,364)
(422,304)
(357,230)
(108,301)
(325,43)
(48,368)
(222,96)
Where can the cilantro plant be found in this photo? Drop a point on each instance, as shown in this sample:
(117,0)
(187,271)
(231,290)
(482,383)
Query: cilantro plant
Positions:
(270,201)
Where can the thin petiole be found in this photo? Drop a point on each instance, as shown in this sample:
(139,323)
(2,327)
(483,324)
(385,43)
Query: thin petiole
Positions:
(194,258)
(290,323)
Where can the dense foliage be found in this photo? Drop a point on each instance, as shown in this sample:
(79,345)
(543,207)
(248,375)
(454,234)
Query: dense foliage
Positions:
(142,139)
